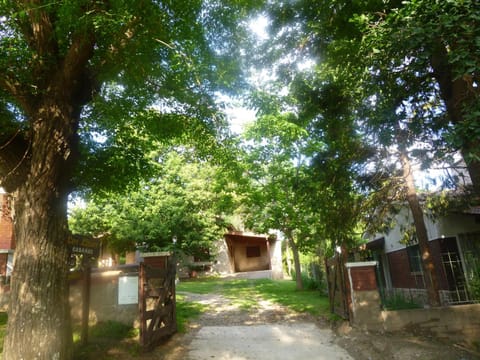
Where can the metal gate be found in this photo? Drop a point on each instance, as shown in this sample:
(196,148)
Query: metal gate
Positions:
(157,303)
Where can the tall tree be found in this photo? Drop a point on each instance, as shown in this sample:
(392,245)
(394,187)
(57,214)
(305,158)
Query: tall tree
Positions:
(85,87)
(276,166)
(437,65)
(415,60)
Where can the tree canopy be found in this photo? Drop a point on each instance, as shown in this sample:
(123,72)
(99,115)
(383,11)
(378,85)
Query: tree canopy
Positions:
(183,207)
(416,61)
(88,89)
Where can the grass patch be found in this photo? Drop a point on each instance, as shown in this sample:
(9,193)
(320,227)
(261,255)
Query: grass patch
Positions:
(104,336)
(399,302)
(3,329)
(186,311)
(200,286)
(245,293)
(284,292)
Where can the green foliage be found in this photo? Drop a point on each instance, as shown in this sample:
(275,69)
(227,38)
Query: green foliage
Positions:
(149,75)
(183,202)
(309,283)
(474,282)
(277,169)
(400,302)
(112,330)
(374,81)
(3,328)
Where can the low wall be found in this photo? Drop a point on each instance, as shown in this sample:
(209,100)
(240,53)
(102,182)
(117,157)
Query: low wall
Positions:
(458,324)
(455,324)
(104,297)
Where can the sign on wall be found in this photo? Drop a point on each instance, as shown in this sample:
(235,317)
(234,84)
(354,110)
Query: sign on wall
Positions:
(127,290)
(85,245)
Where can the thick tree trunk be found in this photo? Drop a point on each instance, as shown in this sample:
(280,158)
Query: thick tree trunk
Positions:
(39,316)
(296,261)
(428,266)
(459,94)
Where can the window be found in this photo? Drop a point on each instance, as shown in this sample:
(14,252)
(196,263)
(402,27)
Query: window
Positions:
(253,251)
(413,252)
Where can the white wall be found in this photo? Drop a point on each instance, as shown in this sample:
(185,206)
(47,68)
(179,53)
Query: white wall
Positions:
(447,226)
(222,264)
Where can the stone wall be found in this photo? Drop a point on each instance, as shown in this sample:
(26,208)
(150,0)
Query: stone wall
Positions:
(457,324)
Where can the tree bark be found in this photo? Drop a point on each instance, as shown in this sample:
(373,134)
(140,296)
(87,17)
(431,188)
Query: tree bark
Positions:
(288,259)
(39,316)
(296,261)
(429,271)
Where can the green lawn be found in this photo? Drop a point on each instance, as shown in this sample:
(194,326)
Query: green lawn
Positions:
(3,329)
(246,293)
(187,311)
(103,337)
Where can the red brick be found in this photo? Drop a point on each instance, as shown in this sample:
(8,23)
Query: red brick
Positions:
(6,225)
(363,278)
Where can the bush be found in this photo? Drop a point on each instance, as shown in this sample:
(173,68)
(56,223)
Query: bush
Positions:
(474,285)
(399,302)
(309,282)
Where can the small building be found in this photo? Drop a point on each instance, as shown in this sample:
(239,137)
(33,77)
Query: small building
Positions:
(239,254)
(454,241)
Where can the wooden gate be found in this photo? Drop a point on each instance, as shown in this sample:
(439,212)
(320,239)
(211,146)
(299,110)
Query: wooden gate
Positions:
(157,303)
(338,290)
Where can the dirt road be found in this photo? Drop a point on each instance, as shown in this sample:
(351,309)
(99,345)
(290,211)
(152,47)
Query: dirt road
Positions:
(226,332)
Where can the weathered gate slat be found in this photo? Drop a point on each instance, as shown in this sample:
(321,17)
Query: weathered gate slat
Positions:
(157,304)
(155,273)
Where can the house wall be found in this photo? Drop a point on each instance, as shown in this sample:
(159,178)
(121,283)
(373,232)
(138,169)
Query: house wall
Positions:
(448,226)
(276,259)
(244,263)
(222,264)
(455,224)
(225,263)
(459,324)
(401,275)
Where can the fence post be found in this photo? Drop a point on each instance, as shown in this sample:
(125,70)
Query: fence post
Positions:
(86,284)
(142,306)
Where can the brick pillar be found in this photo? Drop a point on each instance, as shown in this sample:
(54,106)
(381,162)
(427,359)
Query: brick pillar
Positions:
(7,241)
(365,298)
(3,265)
(156,259)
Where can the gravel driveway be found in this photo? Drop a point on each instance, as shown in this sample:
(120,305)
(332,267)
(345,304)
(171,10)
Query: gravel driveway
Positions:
(270,331)
(267,332)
